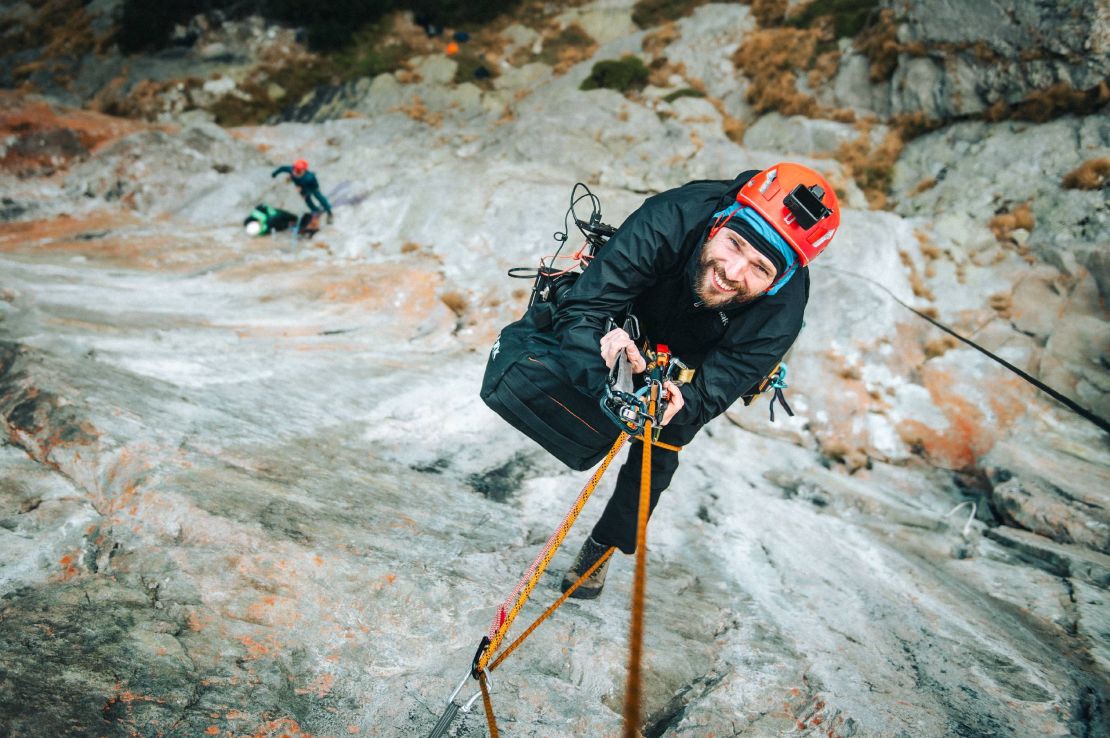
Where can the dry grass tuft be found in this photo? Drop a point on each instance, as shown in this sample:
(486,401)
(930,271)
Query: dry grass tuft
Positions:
(418,111)
(455,301)
(1041,106)
(566,47)
(939,346)
(771,59)
(879,43)
(734,129)
(656,41)
(871,166)
(1092,174)
(926,184)
(1002,303)
(916,282)
(1003,225)
(768,12)
(650,13)
(661,70)
(408,247)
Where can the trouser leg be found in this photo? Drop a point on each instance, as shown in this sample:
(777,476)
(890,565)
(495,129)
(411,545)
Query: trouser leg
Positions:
(319,197)
(617,526)
(308,201)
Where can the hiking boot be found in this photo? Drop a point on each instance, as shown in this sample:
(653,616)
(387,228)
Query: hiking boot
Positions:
(590,553)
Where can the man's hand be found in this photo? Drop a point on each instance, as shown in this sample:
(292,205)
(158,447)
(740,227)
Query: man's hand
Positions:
(615,341)
(675,401)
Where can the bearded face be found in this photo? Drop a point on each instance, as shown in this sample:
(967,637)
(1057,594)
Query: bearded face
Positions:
(731,271)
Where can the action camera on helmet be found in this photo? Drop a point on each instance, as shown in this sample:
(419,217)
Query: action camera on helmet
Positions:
(806,205)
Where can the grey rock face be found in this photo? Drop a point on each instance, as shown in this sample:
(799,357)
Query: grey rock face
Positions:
(248,485)
(959,59)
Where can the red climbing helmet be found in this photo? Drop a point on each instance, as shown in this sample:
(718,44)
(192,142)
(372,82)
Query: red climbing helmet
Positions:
(300,165)
(798,203)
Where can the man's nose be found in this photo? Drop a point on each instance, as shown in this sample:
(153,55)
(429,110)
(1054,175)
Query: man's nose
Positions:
(735,268)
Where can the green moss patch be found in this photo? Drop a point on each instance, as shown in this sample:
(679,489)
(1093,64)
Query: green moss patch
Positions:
(622,75)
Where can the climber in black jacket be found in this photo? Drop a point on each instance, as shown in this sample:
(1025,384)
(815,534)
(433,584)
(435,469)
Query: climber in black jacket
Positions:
(718,272)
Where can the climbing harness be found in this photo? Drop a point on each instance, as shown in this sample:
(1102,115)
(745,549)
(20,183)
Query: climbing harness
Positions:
(647,407)
(1067,402)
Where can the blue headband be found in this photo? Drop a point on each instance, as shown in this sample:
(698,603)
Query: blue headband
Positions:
(764,230)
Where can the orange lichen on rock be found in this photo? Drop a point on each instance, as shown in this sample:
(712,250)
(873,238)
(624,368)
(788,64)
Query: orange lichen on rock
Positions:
(972,428)
(320,686)
(45,137)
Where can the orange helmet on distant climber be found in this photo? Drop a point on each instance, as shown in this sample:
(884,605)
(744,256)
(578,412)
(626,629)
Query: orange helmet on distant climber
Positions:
(798,203)
(300,165)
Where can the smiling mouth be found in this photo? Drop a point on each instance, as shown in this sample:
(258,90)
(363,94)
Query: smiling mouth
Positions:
(719,283)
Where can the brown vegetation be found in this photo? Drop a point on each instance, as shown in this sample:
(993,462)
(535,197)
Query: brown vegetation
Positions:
(916,282)
(768,12)
(649,13)
(566,48)
(1002,303)
(1004,224)
(924,185)
(1092,174)
(60,28)
(418,111)
(455,301)
(1041,106)
(42,138)
(655,41)
(879,42)
(939,346)
(772,58)
(871,166)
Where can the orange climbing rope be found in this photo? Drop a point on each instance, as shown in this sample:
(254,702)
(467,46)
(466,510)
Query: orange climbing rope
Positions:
(639,583)
(484,661)
(506,614)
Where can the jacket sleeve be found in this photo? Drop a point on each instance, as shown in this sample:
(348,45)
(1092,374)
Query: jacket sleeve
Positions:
(281,170)
(646,246)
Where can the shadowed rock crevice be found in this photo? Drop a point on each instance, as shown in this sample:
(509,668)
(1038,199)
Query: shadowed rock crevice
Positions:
(500,483)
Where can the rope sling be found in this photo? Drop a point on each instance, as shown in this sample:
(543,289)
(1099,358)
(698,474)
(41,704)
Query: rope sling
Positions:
(485,661)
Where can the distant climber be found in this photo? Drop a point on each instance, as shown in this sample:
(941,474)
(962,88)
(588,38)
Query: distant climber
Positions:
(265,219)
(307,185)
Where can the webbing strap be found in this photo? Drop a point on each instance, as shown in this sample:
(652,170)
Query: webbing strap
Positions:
(636,629)
(507,614)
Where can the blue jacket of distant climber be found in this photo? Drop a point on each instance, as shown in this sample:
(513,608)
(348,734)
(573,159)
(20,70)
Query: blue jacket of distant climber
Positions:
(308,187)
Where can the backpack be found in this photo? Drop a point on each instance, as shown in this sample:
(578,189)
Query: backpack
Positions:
(526,385)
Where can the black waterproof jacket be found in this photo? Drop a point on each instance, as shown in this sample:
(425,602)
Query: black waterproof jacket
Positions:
(650,266)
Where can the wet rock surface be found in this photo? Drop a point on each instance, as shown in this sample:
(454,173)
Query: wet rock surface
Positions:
(247,486)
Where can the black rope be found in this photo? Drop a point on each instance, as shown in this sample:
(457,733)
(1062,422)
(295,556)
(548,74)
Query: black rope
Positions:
(1063,400)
